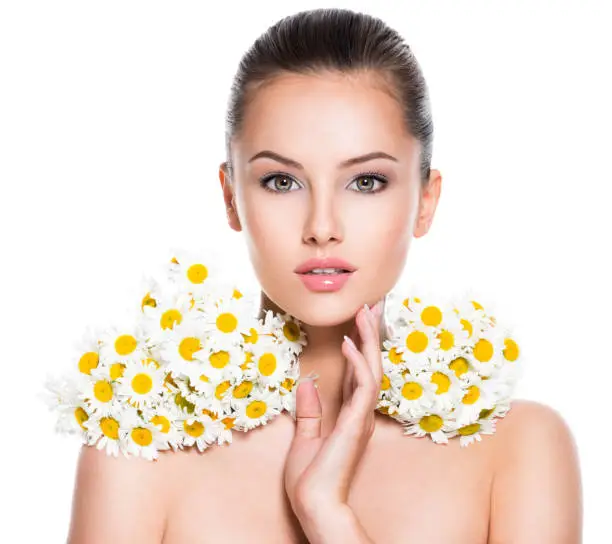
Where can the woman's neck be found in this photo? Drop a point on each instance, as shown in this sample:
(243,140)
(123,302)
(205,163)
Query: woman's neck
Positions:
(323,356)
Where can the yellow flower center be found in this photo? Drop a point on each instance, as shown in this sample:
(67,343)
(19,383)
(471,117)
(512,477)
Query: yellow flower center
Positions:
(103,391)
(442,381)
(476,305)
(197,273)
(432,316)
(467,326)
(267,364)
(242,390)
(142,383)
(288,383)
(412,390)
(431,424)
(142,436)
(110,427)
(417,341)
(447,340)
(221,389)
(469,429)
(511,350)
(459,366)
(252,337)
(196,429)
(116,371)
(169,318)
(483,350)
(88,361)
(163,421)
(227,322)
(291,331)
(148,300)
(228,422)
(395,357)
(256,409)
(219,359)
(237,294)
(188,346)
(385,383)
(472,395)
(81,416)
(125,344)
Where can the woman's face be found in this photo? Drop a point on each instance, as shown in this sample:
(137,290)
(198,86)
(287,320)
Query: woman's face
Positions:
(299,191)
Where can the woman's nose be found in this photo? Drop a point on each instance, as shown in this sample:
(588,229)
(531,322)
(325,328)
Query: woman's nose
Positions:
(322,224)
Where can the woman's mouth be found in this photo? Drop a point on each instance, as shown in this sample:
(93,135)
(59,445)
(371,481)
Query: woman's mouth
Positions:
(325,274)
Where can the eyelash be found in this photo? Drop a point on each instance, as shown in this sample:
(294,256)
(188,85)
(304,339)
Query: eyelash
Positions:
(372,174)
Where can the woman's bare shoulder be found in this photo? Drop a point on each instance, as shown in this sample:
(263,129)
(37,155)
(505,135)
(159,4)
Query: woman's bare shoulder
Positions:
(117,499)
(537,477)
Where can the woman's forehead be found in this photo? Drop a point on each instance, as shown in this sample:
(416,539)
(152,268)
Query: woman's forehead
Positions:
(342,117)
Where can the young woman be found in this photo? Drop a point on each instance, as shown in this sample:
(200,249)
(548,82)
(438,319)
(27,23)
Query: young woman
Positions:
(329,144)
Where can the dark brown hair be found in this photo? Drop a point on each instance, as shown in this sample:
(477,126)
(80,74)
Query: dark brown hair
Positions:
(337,40)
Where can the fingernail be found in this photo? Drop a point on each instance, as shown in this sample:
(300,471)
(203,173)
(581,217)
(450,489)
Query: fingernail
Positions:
(369,312)
(350,342)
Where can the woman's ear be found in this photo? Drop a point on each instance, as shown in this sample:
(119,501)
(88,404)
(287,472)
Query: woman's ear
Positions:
(228,197)
(429,201)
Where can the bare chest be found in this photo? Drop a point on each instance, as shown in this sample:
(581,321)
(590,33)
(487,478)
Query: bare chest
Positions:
(405,490)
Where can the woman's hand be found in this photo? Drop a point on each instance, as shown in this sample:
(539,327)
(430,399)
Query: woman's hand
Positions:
(319,472)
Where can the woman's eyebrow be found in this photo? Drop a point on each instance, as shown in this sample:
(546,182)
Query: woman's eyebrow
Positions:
(349,162)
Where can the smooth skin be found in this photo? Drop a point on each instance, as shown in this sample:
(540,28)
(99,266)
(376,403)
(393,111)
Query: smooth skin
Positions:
(519,486)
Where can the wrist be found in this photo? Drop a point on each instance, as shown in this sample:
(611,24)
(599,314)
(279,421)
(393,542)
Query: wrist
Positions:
(337,524)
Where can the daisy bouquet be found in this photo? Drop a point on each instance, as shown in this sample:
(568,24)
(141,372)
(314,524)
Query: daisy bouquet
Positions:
(449,369)
(198,362)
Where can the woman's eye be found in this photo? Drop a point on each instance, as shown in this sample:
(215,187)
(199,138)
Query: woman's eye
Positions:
(366,183)
(280,183)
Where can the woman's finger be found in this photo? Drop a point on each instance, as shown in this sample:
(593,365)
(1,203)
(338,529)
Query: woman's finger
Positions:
(371,348)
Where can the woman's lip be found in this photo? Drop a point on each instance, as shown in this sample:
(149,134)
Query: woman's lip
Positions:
(327,262)
(325,282)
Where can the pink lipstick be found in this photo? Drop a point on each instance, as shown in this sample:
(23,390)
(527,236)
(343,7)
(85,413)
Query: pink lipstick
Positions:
(326,274)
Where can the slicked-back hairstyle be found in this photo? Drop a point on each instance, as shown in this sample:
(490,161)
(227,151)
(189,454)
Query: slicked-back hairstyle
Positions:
(338,40)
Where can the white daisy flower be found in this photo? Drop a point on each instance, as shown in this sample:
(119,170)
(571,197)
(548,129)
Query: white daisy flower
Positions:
(143,439)
(106,431)
(486,354)
(219,362)
(437,426)
(452,337)
(61,395)
(162,417)
(392,381)
(477,395)
(142,383)
(227,320)
(199,430)
(415,393)
(181,345)
(473,431)
(259,408)
(449,389)
(122,343)
(225,429)
(198,272)
(287,330)
(271,362)
(172,308)
(100,393)
(88,349)
(393,355)
(418,345)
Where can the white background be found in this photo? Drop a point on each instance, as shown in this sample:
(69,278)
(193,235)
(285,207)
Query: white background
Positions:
(111,133)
